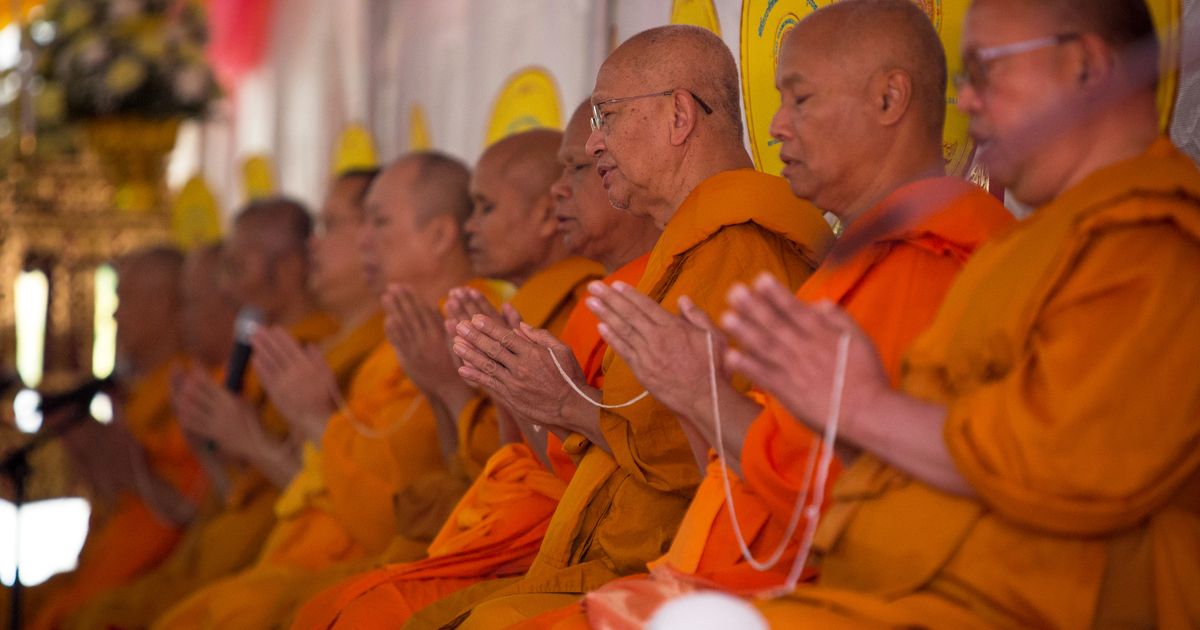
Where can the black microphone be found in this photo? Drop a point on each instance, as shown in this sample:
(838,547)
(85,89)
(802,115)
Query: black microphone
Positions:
(247,322)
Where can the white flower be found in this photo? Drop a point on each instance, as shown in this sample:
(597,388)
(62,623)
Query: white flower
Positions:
(191,84)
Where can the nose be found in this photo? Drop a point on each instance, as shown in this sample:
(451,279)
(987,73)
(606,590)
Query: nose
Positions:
(969,99)
(595,143)
(560,190)
(778,128)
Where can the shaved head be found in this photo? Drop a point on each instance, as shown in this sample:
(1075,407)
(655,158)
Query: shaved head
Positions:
(280,225)
(208,314)
(901,37)
(688,57)
(440,184)
(512,232)
(526,159)
(149,299)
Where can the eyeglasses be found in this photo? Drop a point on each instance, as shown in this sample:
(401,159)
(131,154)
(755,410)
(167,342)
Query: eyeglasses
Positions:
(976,63)
(598,116)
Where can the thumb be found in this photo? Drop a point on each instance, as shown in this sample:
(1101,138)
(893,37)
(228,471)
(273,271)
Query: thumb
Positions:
(540,336)
(511,316)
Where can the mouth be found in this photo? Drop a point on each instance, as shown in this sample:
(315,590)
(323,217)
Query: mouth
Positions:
(604,170)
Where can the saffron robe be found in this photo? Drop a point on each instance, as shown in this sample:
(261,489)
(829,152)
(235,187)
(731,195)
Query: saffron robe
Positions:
(621,510)
(338,509)
(892,286)
(132,538)
(1065,357)
(229,532)
(494,531)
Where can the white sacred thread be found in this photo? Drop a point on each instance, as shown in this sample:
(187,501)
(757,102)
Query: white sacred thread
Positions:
(813,510)
(584,396)
(364,429)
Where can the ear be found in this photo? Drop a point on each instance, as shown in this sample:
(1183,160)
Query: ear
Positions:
(544,217)
(893,94)
(443,233)
(684,114)
(1093,62)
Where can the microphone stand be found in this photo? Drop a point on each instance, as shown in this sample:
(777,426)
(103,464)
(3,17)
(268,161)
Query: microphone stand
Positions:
(15,466)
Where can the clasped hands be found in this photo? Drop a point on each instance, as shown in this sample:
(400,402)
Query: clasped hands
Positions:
(787,348)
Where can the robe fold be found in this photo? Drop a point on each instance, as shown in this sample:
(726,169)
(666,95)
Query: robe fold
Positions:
(337,512)
(497,527)
(1065,356)
(621,510)
(229,531)
(891,284)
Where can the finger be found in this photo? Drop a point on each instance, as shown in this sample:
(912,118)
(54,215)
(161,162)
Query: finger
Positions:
(694,315)
(473,356)
(622,311)
(648,308)
(752,340)
(542,337)
(477,378)
(617,325)
(619,344)
(477,304)
(511,316)
(785,304)
(501,333)
(757,371)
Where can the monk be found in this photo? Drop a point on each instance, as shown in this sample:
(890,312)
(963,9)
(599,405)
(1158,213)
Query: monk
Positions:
(865,174)
(338,509)
(228,537)
(511,235)
(667,136)
(142,460)
(496,529)
(1037,466)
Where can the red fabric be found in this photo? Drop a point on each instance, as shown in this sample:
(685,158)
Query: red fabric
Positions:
(239,33)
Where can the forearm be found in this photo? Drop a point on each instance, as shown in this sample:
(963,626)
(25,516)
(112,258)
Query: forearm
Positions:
(447,430)
(737,411)
(907,433)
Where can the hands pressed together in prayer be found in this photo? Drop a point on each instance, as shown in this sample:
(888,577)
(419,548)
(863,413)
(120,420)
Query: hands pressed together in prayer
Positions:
(218,418)
(512,363)
(297,380)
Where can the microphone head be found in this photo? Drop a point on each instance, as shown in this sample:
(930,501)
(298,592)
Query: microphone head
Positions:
(249,319)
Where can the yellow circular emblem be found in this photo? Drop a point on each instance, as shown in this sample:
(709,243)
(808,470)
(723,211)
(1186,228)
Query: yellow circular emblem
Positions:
(528,100)
(765,22)
(700,13)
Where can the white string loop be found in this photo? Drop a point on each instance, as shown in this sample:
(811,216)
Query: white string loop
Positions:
(820,467)
(583,395)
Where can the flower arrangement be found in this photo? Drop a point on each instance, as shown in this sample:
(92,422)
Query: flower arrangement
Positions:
(120,58)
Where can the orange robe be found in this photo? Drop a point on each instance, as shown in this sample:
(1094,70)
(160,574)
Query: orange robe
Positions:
(338,509)
(892,287)
(1065,357)
(494,531)
(132,539)
(230,531)
(545,300)
(621,510)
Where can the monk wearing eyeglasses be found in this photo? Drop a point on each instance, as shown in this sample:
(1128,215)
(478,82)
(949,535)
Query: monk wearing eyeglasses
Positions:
(660,153)
(1038,465)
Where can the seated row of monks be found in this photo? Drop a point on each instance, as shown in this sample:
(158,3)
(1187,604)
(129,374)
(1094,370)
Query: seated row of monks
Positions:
(614,377)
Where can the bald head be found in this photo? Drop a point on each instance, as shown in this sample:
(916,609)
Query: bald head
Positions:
(208,314)
(148,306)
(688,57)
(280,225)
(901,38)
(415,210)
(525,159)
(512,232)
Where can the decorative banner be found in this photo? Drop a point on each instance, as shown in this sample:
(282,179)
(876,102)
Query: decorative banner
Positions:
(194,217)
(700,13)
(258,181)
(528,100)
(355,150)
(419,138)
(1168,19)
(765,22)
